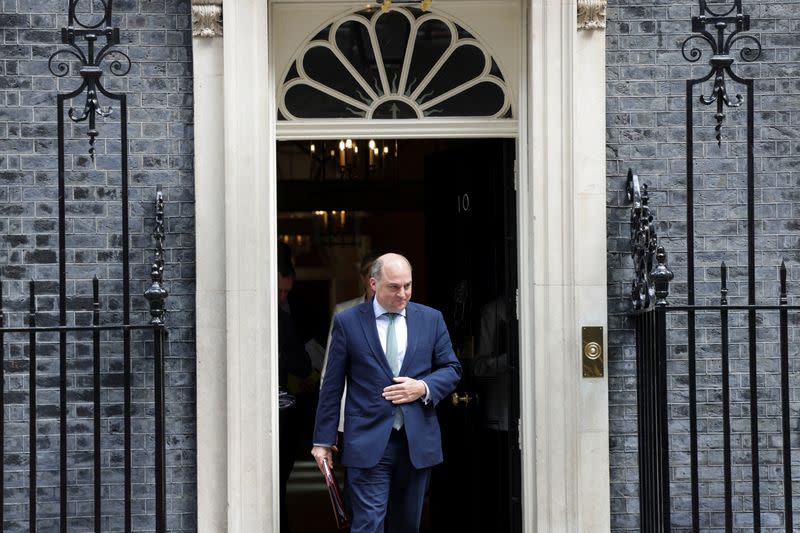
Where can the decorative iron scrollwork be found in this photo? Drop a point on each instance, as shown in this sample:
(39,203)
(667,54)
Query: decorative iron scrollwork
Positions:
(156,293)
(651,284)
(91,61)
(721,59)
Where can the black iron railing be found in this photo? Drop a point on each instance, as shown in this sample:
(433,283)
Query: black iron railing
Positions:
(50,336)
(648,298)
(731,334)
(656,371)
(29,338)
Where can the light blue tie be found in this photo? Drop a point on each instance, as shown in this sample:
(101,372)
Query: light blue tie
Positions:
(393,357)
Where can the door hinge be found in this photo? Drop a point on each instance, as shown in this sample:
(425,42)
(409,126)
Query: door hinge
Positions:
(516,175)
(519,433)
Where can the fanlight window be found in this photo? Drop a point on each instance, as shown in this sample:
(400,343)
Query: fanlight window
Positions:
(399,64)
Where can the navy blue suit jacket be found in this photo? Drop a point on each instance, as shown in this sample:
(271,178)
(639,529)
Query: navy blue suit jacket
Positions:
(356,355)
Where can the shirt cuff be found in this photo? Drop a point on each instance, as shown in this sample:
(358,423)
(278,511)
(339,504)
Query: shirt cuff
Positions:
(427,398)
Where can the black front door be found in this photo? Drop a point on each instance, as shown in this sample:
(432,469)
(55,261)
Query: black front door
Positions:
(471,237)
(450,207)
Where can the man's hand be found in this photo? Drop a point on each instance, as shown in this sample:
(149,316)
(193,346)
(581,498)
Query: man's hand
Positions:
(323,453)
(405,390)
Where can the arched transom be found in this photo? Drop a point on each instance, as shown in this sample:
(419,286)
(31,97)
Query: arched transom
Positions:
(400,64)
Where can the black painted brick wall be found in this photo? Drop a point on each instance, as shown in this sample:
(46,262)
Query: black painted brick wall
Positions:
(156,34)
(646,125)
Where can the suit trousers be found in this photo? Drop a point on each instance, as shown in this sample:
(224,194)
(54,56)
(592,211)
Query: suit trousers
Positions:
(389,496)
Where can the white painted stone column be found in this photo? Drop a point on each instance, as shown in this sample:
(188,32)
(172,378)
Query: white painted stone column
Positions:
(562,208)
(590,258)
(250,271)
(209,173)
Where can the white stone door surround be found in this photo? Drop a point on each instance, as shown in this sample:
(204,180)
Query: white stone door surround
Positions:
(561,210)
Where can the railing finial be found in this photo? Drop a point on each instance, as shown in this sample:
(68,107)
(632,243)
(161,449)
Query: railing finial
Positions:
(156,293)
(782,272)
(661,276)
(723,284)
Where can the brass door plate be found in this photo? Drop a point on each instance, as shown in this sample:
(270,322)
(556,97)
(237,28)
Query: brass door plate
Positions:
(592,351)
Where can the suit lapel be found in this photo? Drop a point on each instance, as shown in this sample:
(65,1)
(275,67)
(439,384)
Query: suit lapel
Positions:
(412,330)
(371,333)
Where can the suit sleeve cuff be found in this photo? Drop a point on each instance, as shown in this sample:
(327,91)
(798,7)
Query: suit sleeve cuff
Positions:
(427,398)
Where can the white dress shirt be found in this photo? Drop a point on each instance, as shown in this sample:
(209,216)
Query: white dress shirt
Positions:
(401,334)
(400,330)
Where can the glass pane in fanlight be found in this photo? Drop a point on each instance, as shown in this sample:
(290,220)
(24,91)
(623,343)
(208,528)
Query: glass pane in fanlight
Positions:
(292,74)
(322,66)
(464,34)
(495,71)
(482,100)
(353,40)
(464,64)
(304,101)
(323,34)
(394,109)
(393,30)
(433,38)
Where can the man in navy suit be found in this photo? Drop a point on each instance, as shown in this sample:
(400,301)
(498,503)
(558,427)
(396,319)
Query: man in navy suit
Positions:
(398,363)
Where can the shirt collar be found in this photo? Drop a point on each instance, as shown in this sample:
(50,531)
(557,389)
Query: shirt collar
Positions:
(379,310)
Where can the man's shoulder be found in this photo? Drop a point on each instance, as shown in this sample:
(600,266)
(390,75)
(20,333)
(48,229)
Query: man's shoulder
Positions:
(425,310)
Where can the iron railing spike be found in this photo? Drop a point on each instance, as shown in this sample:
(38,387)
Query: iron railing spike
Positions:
(723,274)
(784,300)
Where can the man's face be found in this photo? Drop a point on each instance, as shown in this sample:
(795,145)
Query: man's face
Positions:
(393,290)
(285,284)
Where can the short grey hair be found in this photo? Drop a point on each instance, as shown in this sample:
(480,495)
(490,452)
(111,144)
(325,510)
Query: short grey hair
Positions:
(377,267)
